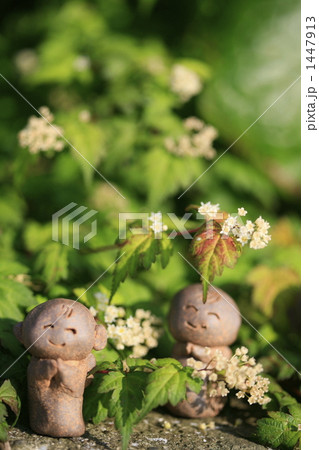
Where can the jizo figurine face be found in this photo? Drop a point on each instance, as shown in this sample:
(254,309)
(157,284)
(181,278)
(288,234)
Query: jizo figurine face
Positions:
(213,323)
(61,328)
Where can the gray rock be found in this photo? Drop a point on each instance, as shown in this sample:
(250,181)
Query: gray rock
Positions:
(149,434)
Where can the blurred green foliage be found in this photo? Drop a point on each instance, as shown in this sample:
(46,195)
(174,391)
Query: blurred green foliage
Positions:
(104,70)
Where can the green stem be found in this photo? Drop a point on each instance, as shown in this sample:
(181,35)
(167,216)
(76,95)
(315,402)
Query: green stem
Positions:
(103,249)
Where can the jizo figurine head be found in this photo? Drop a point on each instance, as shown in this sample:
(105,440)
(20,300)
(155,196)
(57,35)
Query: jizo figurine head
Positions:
(61,328)
(60,334)
(214,323)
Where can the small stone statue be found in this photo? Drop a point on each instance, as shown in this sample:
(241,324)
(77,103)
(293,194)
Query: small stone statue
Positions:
(60,335)
(200,329)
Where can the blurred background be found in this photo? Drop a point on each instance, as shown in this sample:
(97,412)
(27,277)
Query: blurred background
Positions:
(121,77)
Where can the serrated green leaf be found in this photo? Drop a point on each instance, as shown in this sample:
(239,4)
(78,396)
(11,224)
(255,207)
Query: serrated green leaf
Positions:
(165,385)
(140,250)
(9,396)
(166,250)
(227,251)
(268,283)
(3,412)
(279,430)
(157,164)
(95,405)
(295,411)
(14,298)
(4,431)
(12,268)
(128,395)
(212,252)
(111,381)
(126,403)
(280,416)
(283,399)
(52,263)
(129,262)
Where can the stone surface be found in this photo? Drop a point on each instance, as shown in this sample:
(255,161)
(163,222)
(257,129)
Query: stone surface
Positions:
(150,434)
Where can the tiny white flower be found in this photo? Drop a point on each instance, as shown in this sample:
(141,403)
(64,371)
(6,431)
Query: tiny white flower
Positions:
(242,212)
(208,210)
(93,311)
(184,82)
(250,226)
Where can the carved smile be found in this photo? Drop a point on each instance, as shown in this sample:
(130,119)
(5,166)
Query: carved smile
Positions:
(57,345)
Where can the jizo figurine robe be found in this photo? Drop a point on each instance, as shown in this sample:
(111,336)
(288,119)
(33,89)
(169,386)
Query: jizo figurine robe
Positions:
(60,335)
(201,329)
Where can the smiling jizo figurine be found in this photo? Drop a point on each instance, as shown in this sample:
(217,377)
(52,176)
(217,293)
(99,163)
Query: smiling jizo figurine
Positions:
(200,329)
(60,335)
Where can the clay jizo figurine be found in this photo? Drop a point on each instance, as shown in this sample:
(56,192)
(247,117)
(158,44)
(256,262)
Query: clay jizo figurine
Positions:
(61,334)
(196,325)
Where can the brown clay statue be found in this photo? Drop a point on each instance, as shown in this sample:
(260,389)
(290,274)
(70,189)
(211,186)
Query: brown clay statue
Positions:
(60,335)
(200,330)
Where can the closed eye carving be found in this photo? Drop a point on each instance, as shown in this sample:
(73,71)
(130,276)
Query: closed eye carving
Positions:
(50,325)
(191,307)
(214,314)
(73,330)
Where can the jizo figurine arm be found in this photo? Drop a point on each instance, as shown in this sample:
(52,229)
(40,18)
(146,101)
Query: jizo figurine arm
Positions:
(43,369)
(91,363)
(66,376)
(206,354)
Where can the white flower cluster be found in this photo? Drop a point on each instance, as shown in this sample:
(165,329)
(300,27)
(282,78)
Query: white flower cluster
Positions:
(197,142)
(208,210)
(82,63)
(39,135)
(184,82)
(139,332)
(157,223)
(26,61)
(85,116)
(256,233)
(239,372)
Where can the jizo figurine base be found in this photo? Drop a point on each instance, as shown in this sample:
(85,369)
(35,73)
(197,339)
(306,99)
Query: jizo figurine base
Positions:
(201,329)
(60,335)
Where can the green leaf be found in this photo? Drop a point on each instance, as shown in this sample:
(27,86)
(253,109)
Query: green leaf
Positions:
(166,250)
(168,384)
(95,405)
(3,431)
(295,411)
(12,268)
(268,283)
(140,250)
(126,399)
(279,430)
(126,403)
(9,397)
(212,252)
(14,299)
(52,263)
(157,164)
(281,397)
(89,141)
(129,391)
(37,235)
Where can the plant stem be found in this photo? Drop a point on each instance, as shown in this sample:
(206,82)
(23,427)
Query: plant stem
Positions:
(103,249)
